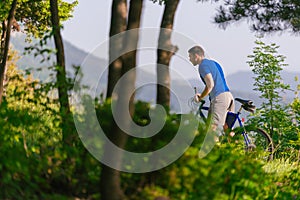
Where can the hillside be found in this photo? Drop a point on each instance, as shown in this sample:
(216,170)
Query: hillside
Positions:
(243,80)
(74,57)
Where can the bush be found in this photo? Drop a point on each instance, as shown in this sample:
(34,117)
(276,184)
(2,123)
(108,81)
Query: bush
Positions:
(227,172)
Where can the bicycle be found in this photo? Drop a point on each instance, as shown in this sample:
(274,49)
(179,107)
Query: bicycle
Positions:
(254,138)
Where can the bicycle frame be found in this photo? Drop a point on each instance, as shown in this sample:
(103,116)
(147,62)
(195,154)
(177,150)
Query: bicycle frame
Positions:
(244,133)
(234,117)
(200,113)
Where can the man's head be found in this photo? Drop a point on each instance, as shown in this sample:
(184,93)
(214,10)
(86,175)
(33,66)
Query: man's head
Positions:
(196,55)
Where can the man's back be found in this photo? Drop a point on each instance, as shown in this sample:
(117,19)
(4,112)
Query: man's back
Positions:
(209,66)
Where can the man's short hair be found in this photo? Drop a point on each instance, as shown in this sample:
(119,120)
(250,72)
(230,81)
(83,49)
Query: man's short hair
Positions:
(196,50)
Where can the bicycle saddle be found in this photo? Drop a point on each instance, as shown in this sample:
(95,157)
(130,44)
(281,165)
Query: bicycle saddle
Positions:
(246,104)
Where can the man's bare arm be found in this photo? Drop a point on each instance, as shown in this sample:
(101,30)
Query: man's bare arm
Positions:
(209,84)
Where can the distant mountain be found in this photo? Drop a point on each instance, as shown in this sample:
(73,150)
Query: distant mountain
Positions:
(74,57)
(244,80)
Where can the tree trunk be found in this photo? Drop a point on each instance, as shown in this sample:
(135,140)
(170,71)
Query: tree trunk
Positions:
(61,75)
(5,38)
(164,53)
(110,178)
(118,25)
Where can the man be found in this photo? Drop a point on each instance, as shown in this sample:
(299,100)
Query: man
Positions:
(211,73)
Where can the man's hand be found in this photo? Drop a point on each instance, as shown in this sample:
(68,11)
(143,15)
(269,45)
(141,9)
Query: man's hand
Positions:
(197,97)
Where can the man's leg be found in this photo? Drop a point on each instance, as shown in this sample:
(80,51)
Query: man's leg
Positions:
(219,108)
(217,116)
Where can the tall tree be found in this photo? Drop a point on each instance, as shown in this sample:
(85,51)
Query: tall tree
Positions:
(165,52)
(263,15)
(61,72)
(110,178)
(5,38)
(35,19)
(117,25)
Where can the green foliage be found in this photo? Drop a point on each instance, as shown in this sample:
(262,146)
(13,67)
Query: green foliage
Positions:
(272,115)
(34,162)
(38,170)
(264,15)
(24,97)
(266,64)
(34,16)
(227,172)
(28,130)
(295,113)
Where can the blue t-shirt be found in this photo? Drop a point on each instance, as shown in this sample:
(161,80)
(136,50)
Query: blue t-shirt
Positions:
(209,66)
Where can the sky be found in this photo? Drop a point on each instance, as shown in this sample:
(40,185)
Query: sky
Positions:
(89,29)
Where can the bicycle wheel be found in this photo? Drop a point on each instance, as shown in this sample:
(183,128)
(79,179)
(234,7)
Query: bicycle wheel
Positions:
(260,141)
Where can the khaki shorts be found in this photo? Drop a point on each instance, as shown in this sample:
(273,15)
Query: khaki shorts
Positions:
(219,106)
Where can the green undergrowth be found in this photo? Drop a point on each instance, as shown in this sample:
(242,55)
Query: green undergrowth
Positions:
(36,165)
